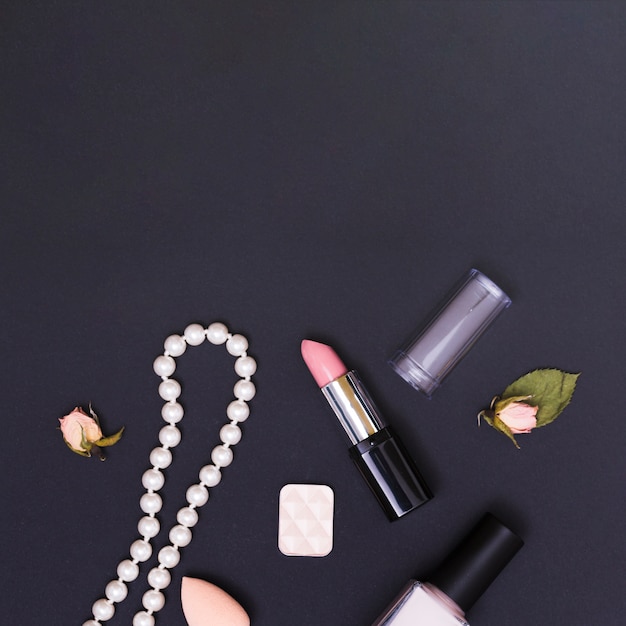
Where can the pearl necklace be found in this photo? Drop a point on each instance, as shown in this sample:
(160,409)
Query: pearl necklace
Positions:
(153,479)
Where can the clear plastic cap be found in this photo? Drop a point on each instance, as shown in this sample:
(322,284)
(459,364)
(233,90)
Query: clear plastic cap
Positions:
(466,313)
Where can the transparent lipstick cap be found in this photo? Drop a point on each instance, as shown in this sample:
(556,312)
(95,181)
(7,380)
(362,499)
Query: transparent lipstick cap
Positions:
(451,330)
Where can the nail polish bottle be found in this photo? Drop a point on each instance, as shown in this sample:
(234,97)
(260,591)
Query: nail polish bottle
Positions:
(458,582)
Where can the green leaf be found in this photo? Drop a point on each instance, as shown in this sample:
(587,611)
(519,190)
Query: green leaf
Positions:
(84,443)
(502,403)
(81,452)
(550,389)
(496,423)
(109,441)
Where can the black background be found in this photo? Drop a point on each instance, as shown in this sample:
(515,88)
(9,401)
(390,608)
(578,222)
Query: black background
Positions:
(324,170)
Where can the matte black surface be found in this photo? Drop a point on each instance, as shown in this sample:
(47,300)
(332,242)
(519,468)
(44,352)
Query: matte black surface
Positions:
(466,573)
(391,474)
(302,168)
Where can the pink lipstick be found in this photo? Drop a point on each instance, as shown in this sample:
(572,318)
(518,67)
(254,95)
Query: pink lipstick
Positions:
(380,456)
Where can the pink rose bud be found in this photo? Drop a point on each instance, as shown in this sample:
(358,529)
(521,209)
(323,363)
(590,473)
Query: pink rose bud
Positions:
(82,434)
(519,417)
(80,430)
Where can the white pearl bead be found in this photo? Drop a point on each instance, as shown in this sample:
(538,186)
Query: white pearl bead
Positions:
(153,479)
(116,591)
(160,458)
(159,578)
(187,517)
(237,345)
(169,436)
(91,622)
(150,503)
(180,536)
(169,389)
(194,334)
(148,527)
(217,333)
(164,365)
(140,550)
(244,366)
(153,600)
(143,619)
(127,570)
(230,434)
(197,495)
(238,411)
(169,557)
(244,390)
(172,412)
(222,456)
(103,610)
(210,475)
(175,345)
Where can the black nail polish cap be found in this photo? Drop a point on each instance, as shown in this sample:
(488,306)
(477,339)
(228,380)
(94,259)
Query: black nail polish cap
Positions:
(476,562)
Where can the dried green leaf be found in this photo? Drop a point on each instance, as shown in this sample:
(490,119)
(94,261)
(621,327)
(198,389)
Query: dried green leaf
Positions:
(495,422)
(109,441)
(501,404)
(85,444)
(81,452)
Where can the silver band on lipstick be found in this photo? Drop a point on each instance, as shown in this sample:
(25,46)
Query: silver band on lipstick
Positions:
(353,406)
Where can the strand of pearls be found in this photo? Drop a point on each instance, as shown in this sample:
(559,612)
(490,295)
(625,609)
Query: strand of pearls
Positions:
(153,479)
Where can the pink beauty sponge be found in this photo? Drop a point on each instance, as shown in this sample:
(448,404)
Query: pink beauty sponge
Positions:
(205,604)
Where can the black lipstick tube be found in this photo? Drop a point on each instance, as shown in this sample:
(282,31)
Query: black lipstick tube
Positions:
(379,455)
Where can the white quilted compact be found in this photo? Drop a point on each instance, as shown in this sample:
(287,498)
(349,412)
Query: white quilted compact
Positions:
(305,521)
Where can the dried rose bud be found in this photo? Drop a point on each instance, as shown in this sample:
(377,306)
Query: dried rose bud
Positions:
(519,417)
(82,432)
(511,416)
(550,391)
